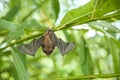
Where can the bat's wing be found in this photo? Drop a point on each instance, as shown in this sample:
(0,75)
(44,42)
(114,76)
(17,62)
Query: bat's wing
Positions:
(32,47)
(64,47)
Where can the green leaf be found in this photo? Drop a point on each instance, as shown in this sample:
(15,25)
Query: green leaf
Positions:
(9,25)
(15,31)
(104,26)
(18,61)
(31,25)
(14,35)
(77,13)
(114,50)
(86,61)
(50,9)
(106,6)
(107,29)
(94,10)
(55,7)
(12,13)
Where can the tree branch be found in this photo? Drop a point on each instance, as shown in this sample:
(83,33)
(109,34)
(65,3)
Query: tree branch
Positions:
(36,35)
(90,77)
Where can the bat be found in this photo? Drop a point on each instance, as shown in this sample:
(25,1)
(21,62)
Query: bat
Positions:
(48,42)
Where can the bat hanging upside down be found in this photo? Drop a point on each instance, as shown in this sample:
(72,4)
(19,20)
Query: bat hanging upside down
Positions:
(48,42)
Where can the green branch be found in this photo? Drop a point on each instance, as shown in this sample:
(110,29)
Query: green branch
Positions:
(90,77)
(36,35)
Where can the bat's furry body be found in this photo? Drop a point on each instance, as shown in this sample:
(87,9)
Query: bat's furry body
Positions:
(48,42)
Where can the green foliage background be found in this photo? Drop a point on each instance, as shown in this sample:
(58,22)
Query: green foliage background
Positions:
(97,38)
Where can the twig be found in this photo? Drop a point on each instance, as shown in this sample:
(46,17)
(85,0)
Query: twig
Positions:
(90,77)
(61,27)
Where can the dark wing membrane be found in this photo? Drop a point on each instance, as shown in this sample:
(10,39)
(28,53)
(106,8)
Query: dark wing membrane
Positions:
(64,47)
(32,47)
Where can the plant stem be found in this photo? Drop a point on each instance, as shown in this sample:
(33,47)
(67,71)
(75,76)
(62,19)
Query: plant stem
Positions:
(90,77)
(101,18)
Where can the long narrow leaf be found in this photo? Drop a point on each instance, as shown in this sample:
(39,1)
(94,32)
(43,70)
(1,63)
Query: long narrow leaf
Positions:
(19,65)
(114,50)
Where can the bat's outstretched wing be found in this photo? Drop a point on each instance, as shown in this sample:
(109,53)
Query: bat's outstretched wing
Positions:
(64,47)
(48,42)
(32,47)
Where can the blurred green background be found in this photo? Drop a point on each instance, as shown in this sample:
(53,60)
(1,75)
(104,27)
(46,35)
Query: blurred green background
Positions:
(94,26)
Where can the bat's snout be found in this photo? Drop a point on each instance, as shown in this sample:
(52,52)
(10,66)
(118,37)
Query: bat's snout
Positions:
(47,51)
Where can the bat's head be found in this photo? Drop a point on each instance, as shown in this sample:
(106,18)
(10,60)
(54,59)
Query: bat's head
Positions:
(47,50)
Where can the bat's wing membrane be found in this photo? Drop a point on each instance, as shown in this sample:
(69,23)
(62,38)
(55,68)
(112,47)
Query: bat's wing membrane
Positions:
(64,47)
(32,47)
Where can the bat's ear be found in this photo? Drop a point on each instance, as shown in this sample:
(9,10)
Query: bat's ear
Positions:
(64,47)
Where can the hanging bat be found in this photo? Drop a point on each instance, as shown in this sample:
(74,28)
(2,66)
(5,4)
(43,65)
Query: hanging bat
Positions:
(48,42)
